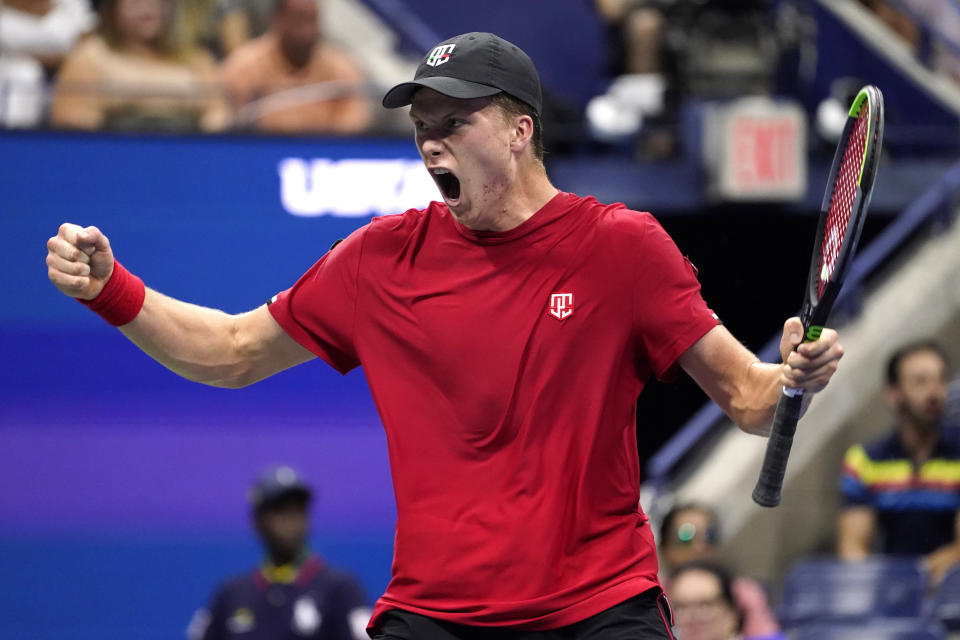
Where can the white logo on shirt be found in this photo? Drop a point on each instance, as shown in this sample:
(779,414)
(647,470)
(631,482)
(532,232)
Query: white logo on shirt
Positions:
(561,305)
(306,616)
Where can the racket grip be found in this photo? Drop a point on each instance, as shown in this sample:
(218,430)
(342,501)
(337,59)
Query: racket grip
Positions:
(770,482)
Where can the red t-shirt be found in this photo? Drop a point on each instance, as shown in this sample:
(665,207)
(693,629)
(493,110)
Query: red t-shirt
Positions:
(506,369)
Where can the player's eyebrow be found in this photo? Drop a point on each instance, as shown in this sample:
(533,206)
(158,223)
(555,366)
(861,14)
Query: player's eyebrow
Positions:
(458,114)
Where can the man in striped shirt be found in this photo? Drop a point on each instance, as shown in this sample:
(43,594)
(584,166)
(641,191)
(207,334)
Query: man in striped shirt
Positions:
(906,485)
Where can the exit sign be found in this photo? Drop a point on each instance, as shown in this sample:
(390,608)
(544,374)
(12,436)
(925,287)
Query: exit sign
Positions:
(756,150)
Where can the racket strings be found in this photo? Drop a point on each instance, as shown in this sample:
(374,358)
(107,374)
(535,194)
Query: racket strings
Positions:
(841,202)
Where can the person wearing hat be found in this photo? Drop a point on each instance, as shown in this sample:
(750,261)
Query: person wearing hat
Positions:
(293,594)
(505,332)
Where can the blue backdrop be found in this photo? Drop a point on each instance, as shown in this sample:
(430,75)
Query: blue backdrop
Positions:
(123,486)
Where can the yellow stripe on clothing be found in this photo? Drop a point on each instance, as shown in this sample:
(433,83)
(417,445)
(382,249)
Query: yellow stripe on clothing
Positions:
(941,470)
(877,471)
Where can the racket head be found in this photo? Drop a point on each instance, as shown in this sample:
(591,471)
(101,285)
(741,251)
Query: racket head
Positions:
(845,202)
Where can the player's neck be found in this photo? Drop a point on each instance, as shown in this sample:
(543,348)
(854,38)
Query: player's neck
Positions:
(519,203)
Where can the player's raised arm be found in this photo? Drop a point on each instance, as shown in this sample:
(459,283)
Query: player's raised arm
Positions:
(748,390)
(198,343)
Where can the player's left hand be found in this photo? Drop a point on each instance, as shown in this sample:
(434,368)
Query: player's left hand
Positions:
(809,365)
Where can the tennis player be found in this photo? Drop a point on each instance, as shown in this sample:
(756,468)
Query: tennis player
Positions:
(506,333)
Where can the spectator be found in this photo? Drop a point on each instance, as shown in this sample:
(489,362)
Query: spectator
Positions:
(239,21)
(906,485)
(689,533)
(636,33)
(942,17)
(916,20)
(664,52)
(196,23)
(35,35)
(292,81)
(134,75)
(293,594)
(638,65)
(704,606)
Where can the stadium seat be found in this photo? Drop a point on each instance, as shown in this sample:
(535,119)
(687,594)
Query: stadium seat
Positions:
(946,603)
(876,629)
(820,589)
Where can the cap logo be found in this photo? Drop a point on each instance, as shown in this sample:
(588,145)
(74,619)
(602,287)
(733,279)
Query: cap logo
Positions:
(440,54)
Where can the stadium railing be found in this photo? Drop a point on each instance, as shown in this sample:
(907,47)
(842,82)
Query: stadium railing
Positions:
(933,206)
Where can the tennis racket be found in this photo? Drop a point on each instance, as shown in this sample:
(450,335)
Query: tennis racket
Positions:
(842,214)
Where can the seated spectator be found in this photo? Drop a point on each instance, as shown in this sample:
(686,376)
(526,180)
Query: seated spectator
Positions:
(701,594)
(941,18)
(35,35)
(239,21)
(640,68)
(906,486)
(196,24)
(291,81)
(690,532)
(901,24)
(635,33)
(134,75)
(663,52)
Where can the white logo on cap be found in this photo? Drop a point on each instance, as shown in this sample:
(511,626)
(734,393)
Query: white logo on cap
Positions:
(440,55)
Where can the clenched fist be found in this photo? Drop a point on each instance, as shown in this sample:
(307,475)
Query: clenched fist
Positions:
(79,261)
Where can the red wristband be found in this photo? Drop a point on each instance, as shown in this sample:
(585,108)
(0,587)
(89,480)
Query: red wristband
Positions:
(121,298)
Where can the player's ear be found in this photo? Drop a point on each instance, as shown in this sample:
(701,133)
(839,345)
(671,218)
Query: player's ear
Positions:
(522,133)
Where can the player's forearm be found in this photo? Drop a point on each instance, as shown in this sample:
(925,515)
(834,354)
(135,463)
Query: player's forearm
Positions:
(746,389)
(198,343)
(763,390)
(753,404)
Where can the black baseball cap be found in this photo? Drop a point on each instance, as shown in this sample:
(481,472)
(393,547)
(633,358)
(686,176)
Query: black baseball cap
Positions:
(473,65)
(278,483)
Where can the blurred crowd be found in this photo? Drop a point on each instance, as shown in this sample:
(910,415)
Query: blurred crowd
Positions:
(177,66)
(664,52)
(931,28)
(900,514)
(269,65)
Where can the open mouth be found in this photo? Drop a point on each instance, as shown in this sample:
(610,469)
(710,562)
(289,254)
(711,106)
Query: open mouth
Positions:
(449,184)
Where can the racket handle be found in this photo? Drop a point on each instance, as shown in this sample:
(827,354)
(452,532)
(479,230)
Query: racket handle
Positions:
(770,482)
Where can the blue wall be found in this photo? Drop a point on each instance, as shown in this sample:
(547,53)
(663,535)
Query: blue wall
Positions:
(122,487)
(575,70)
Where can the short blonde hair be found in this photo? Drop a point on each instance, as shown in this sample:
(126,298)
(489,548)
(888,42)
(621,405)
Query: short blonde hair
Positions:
(513,107)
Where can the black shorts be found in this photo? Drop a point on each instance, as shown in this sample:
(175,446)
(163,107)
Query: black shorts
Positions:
(643,617)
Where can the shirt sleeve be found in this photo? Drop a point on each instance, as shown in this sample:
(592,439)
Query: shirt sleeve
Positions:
(319,311)
(209,623)
(853,486)
(352,606)
(54,33)
(199,627)
(669,311)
